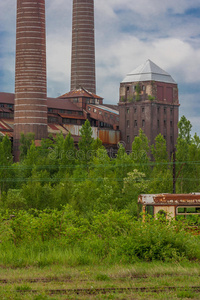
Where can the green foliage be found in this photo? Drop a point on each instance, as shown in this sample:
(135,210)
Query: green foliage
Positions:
(151,98)
(43,238)
(184,127)
(140,153)
(138,92)
(85,143)
(25,143)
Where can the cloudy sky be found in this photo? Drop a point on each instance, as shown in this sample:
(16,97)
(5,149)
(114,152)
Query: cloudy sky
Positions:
(127,33)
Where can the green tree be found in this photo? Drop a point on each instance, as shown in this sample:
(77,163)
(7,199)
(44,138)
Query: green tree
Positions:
(184,127)
(85,144)
(161,175)
(25,143)
(140,153)
(184,169)
(6,160)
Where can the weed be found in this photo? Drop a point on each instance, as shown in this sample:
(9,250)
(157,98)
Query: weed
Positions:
(102,277)
(23,288)
(186,294)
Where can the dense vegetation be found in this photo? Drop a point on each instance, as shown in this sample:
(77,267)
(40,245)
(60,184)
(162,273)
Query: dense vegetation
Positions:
(78,205)
(44,238)
(90,179)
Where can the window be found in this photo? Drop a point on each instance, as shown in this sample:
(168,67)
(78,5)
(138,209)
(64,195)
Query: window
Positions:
(52,120)
(117,119)
(94,110)
(158,123)
(80,113)
(171,139)
(62,111)
(127,123)
(149,210)
(143,123)
(165,110)
(143,87)
(158,109)
(128,139)
(171,124)
(89,108)
(92,101)
(127,110)
(106,115)
(188,210)
(171,111)
(100,112)
(10,105)
(127,88)
(75,100)
(50,109)
(135,123)
(164,123)
(143,109)
(1,105)
(69,112)
(135,110)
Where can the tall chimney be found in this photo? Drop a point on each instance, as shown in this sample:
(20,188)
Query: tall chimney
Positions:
(30,71)
(83,46)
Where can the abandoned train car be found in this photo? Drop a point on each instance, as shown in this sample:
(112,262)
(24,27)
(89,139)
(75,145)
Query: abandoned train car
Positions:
(171,205)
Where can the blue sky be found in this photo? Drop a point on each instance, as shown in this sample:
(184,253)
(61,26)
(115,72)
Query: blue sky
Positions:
(127,33)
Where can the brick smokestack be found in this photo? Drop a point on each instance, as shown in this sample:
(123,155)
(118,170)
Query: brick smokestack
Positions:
(83,46)
(30,71)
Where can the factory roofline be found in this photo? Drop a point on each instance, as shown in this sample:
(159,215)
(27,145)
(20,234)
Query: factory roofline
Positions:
(79,93)
(51,102)
(148,71)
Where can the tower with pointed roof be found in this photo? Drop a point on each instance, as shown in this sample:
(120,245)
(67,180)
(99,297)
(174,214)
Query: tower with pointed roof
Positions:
(149,100)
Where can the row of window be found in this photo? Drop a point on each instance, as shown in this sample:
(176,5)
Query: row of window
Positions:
(143,123)
(6,105)
(64,111)
(143,109)
(54,120)
(101,113)
(6,115)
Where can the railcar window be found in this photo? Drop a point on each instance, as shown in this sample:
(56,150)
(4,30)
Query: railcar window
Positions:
(188,210)
(149,210)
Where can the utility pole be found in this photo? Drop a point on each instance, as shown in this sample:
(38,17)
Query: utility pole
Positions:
(174,171)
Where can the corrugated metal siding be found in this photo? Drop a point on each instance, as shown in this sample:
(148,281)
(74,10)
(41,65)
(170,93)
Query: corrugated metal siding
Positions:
(111,137)
(75,130)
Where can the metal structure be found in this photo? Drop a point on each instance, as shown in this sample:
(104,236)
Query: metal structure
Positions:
(83,46)
(172,205)
(30,72)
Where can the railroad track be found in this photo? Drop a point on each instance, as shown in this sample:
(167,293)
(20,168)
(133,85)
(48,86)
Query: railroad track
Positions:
(69,279)
(95,291)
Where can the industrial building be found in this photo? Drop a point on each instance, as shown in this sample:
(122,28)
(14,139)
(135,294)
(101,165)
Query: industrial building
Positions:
(148,96)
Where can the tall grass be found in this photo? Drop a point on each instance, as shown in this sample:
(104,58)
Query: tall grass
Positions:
(43,238)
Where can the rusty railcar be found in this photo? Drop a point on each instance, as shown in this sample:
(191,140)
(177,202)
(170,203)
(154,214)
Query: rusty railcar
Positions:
(171,205)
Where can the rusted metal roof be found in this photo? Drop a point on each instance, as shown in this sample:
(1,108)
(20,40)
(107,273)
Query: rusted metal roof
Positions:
(72,117)
(7,98)
(80,93)
(170,199)
(103,107)
(62,104)
(55,128)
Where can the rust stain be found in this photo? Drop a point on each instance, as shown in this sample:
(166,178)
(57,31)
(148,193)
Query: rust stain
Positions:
(177,198)
(109,136)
